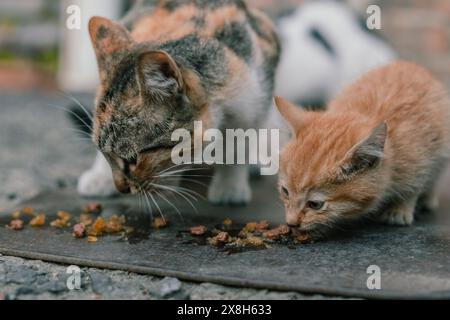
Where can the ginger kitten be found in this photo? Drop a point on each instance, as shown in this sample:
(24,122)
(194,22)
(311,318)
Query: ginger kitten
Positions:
(376,151)
(181,61)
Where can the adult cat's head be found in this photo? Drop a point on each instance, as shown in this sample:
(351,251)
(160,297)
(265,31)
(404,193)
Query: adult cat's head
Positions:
(333,169)
(144,95)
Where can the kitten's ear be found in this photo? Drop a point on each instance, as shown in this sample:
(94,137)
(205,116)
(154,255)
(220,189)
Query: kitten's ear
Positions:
(368,153)
(108,38)
(291,113)
(159,75)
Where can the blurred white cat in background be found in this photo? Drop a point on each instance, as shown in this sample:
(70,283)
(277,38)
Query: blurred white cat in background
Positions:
(325,47)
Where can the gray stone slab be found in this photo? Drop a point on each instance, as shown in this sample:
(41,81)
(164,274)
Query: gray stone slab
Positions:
(414,261)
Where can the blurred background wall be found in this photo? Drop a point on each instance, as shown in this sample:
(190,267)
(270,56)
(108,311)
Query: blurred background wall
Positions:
(37,51)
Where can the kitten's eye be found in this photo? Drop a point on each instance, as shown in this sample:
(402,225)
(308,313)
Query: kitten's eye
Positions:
(315,205)
(285,191)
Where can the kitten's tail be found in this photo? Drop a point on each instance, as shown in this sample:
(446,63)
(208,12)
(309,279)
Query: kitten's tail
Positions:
(80,118)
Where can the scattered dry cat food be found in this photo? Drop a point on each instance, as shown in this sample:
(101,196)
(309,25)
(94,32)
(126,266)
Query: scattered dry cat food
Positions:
(93,207)
(16,214)
(28,211)
(198,230)
(92,239)
(275,234)
(220,239)
(86,219)
(115,224)
(98,227)
(38,221)
(252,241)
(159,223)
(252,227)
(303,237)
(79,230)
(227,222)
(16,224)
(62,221)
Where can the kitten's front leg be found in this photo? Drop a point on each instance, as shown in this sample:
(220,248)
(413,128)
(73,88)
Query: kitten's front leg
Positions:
(97,181)
(230,185)
(400,214)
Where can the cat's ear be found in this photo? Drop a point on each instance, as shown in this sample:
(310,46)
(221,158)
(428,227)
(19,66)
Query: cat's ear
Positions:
(368,153)
(291,113)
(159,75)
(108,38)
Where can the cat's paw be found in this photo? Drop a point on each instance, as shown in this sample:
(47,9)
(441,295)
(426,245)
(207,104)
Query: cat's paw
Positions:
(402,215)
(95,183)
(230,186)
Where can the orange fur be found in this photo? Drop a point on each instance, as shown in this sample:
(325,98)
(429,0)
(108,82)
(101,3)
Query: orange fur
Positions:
(347,158)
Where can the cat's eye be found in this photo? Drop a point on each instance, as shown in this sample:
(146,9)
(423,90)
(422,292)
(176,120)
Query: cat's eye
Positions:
(285,191)
(315,205)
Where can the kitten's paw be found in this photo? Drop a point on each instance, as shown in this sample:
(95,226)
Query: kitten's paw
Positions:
(402,215)
(229,194)
(94,183)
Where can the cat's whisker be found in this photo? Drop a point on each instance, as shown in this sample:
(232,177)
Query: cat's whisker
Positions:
(157,206)
(186,179)
(71,97)
(181,170)
(161,195)
(148,203)
(177,193)
(73,113)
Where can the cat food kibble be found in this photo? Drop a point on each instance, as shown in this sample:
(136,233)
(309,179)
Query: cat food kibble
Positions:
(86,219)
(198,230)
(28,211)
(16,214)
(38,221)
(159,223)
(16,224)
(115,224)
(79,230)
(220,239)
(275,234)
(62,221)
(93,207)
(227,222)
(98,227)
(92,239)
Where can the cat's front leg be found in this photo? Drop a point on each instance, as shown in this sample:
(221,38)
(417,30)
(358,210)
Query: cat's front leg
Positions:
(98,180)
(230,185)
(401,213)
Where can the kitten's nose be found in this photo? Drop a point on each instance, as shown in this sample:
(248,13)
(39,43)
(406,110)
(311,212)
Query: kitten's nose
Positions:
(292,220)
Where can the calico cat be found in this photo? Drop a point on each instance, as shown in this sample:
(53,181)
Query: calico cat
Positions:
(182,61)
(376,152)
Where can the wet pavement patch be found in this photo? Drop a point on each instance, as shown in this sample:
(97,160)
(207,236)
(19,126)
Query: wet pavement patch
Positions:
(414,261)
